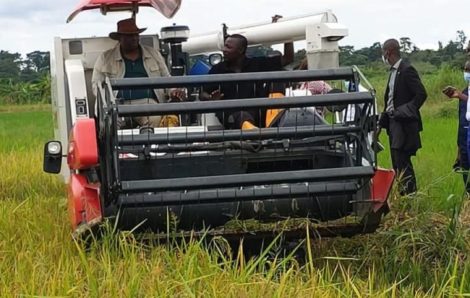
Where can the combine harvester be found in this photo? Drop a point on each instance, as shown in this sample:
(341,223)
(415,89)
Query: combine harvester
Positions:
(200,178)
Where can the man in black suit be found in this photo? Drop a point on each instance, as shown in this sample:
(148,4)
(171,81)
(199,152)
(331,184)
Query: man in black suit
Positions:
(404,96)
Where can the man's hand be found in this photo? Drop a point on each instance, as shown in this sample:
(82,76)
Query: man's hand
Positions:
(451,92)
(216,95)
(377,133)
(177,95)
(276,17)
(376,145)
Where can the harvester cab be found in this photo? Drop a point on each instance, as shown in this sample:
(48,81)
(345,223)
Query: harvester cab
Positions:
(201,177)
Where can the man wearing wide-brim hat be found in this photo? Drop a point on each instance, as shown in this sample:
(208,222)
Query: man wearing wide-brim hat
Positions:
(130,59)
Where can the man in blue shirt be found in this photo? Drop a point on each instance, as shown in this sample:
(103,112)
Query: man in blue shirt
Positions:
(462,161)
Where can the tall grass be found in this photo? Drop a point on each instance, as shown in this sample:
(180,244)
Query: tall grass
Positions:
(421,251)
(410,257)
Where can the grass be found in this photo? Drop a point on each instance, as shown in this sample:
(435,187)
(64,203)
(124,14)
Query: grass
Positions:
(23,132)
(421,251)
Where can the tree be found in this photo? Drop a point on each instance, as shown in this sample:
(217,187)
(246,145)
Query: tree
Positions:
(372,53)
(461,39)
(10,65)
(298,56)
(345,55)
(450,50)
(35,66)
(38,61)
(405,44)
(375,51)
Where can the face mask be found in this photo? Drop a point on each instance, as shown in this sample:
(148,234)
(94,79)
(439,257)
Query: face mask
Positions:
(466,76)
(385,60)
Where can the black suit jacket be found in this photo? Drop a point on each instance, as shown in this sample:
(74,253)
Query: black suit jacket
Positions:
(404,123)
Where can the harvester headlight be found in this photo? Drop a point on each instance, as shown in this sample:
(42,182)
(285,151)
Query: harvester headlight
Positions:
(54,148)
(52,157)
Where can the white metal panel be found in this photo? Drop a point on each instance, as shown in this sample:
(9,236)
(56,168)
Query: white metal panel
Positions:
(59,105)
(75,74)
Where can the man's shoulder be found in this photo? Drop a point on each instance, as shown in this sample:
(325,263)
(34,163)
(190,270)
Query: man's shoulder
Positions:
(220,67)
(263,59)
(148,48)
(106,58)
(263,63)
(112,52)
(405,65)
(406,68)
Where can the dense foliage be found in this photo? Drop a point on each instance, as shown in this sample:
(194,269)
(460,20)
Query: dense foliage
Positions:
(451,54)
(24,80)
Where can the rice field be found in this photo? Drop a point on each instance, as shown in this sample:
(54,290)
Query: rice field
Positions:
(421,250)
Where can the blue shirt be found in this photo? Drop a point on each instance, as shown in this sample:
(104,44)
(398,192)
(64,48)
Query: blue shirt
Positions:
(463,123)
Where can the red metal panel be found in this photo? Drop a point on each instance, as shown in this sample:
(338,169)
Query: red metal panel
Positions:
(381,185)
(166,7)
(83,201)
(83,149)
(75,206)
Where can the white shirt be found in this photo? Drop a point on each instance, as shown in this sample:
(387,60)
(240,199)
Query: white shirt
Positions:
(391,85)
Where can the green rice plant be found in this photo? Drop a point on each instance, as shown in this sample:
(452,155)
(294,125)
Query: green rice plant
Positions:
(23,136)
(25,128)
(19,179)
(38,257)
(421,250)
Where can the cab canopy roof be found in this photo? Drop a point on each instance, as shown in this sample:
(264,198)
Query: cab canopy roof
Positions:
(168,8)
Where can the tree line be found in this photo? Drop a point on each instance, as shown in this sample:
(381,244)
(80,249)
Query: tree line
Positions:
(27,79)
(15,68)
(35,65)
(451,54)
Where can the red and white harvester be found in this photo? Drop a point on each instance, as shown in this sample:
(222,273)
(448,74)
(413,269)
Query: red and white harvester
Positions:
(200,177)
